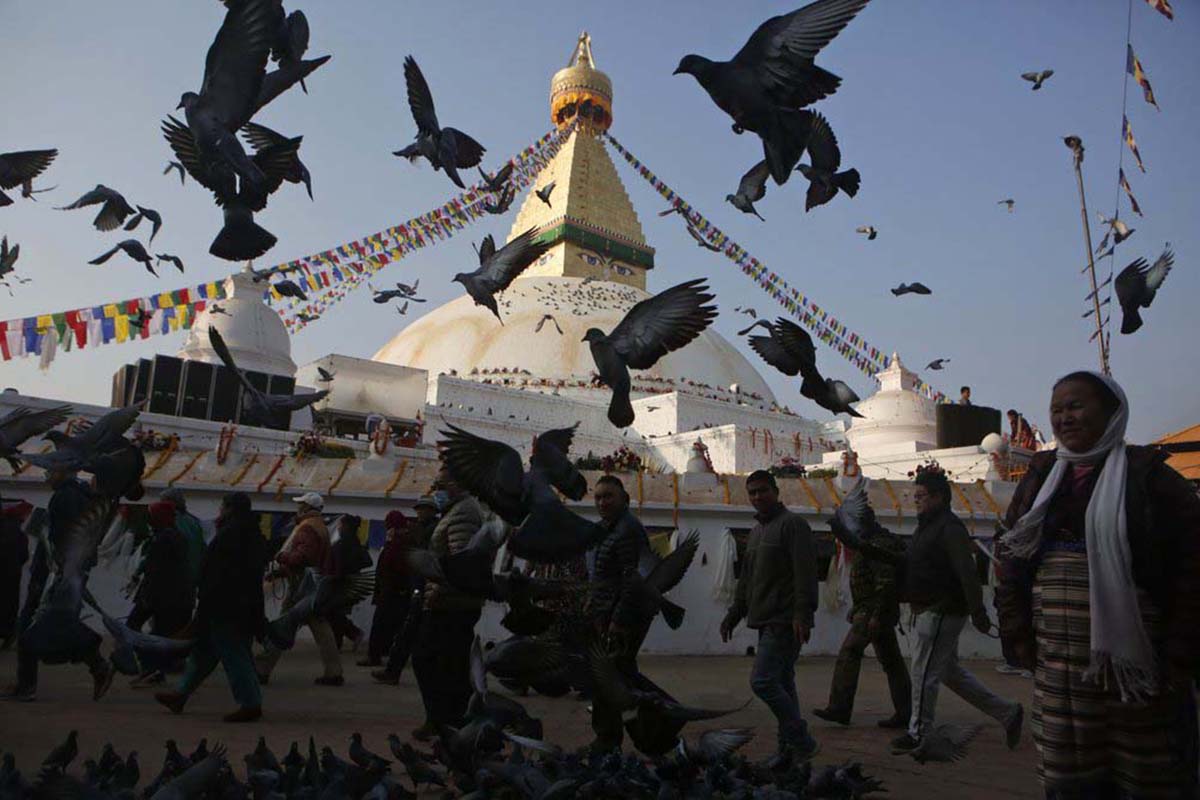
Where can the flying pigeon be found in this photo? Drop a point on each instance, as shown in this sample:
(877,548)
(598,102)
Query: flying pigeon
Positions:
(289,288)
(911,288)
(651,329)
(937,363)
(773,75)
(20,168)
(132,248)
(307,318)
(8,258)
(1137,285)
(259,406)
(382,296)
(176,260)
(326,375)
(758,323)
(146,213)
(498,182)
(261,138)
(82,450)
(502,203)
(500,268)
(1007,202)
(547,318)
(218,309)
(869,230)
(402,310)
(445,148)
(141,319)
(24,423)
(1037,78)
(700,240)
(544,193)
(824,180)
(408,290)
(751,188)
(113,212)
(177,166)
(750,312)
(790,350)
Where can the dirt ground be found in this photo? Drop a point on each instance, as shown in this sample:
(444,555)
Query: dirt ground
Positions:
(295,708)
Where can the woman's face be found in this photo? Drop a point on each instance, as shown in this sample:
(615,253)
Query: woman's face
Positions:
(1077,415)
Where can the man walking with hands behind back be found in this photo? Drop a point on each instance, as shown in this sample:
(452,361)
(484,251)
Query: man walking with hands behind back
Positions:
(777,596)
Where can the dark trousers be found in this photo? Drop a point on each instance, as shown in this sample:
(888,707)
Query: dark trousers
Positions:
(342,627)
(386,624)
(773,680)
(442,663)
(606,721)
(406,639)
(88,651)
(229,646)
(849,662)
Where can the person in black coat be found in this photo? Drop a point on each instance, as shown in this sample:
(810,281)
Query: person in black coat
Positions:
(230,611)
(349,556)
(166,594)
(14,552)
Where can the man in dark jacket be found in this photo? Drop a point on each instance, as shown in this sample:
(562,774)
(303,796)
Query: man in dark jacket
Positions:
(348,556)
(415,536)
(166,592)
(777,595)
(874,589)
(612,605)
(229,612)
(69,500)
(393,590)
(14,552)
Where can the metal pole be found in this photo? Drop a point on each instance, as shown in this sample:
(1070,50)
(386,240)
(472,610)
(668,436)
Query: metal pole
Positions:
(1076,146)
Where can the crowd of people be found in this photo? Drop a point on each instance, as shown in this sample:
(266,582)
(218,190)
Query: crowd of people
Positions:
(1097,561)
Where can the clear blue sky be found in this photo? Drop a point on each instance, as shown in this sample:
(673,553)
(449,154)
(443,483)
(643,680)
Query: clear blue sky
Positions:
(932,112)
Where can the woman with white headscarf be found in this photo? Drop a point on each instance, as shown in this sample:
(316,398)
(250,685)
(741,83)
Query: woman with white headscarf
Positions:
(1099,594)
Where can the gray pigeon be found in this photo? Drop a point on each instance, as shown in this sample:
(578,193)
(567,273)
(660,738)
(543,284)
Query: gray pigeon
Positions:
(175,165)
(175,260)
(911,288)
(773,75)
(83,450)
(1007,202)
(146,213)
(869,230)
(446,149)
(132,248)
(651,329)
(790,350)
(233,76)
(1037,78)
(289,288)
(1136,286)
(385,295)
(20,168)
(937,363)
(113,212)
(326,375)
(824,180)
(261,137)
(544,193)
(751,188)
(278,81)
(503,202)
(61,756)
(8,261)
(258,406)
(23,423)
(498,182)
(500,268)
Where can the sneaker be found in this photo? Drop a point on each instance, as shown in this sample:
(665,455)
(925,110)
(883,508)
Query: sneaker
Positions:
(425,732)
(894,721)
(1007,669)
(102,678)
(174,701)
(904,743)
(1012,730)
(832,715)
(20,694)
(384,676)
(330,680)
(245,714)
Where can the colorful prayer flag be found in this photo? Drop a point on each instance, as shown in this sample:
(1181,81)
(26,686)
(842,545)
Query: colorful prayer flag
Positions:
(1163,7)
(1133,203)
(1134,67)
(1127,134)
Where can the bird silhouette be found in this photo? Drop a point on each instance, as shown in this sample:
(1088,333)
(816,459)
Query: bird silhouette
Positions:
(20,168)
(446,149)
(1037,78)
(869,230)
(132,248)
(751,188)
(911,288)
(1137,285)
(146,213)
(824,180)
(114,208)
(499,268)
(544,193)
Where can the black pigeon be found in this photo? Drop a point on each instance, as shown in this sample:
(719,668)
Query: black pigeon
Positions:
(651,329)
(23,423)
(758,323)
(911,288)
(291,40)
(326,375)
(498,182)
(307,318)
(61,756)
(233,76)
(773,75)
(751,188)
(701,241)
(8,262)
(289,288)
(278,81)
(1007,202)
(408,290)
(20,168)
(869,230)
(790,350)
(260,275)
(502,204)
(445,148)
(262,138)
(937,363)
(259,406)
(175,165)
(113,212)
(146,213)
(385,295)
(1137,285)
(175,260)
(500,268)
(141,319)
(132,248)
(547,318)
(1037,78)
(544,193)
(361,756)
(263,758)
(81,451)
(217,309)
(647,593)
(824,180)
(418,769)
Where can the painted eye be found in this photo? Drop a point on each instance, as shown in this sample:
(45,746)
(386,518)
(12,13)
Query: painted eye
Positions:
(621,270)
(591,259)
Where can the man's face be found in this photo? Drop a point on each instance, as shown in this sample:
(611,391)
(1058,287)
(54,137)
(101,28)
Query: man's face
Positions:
(445,482)
(927,501)
(966,394)
(610,501)
(763,496)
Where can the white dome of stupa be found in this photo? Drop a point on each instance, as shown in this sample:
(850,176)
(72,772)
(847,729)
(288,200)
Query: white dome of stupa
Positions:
(895,415)
(255,334)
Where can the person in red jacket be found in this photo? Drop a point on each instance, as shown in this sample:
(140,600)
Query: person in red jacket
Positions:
(393,590)
(306,548)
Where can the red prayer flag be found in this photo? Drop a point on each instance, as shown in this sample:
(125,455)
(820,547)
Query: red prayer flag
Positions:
(1134,67)
(1163,7)
(1127,134)
(1133,203)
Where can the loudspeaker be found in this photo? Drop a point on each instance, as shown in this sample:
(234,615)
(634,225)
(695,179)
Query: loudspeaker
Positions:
(965,426)
(165,375)
(225,395)
(122,386)
(197,388)
(141,384)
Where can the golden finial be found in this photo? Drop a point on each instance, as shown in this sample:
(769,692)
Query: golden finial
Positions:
(580,93)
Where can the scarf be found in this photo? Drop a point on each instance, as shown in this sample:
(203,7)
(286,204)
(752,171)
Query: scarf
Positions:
(1120,646)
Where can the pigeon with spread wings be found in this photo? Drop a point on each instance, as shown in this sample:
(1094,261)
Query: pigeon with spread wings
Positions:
(446,149)
(20,168)
(114,208)
(261,138)
(260,407)
(651,329)
(824,180)
(24,423)
(1136,286)
(790,350)
(499,268)
(751,188)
